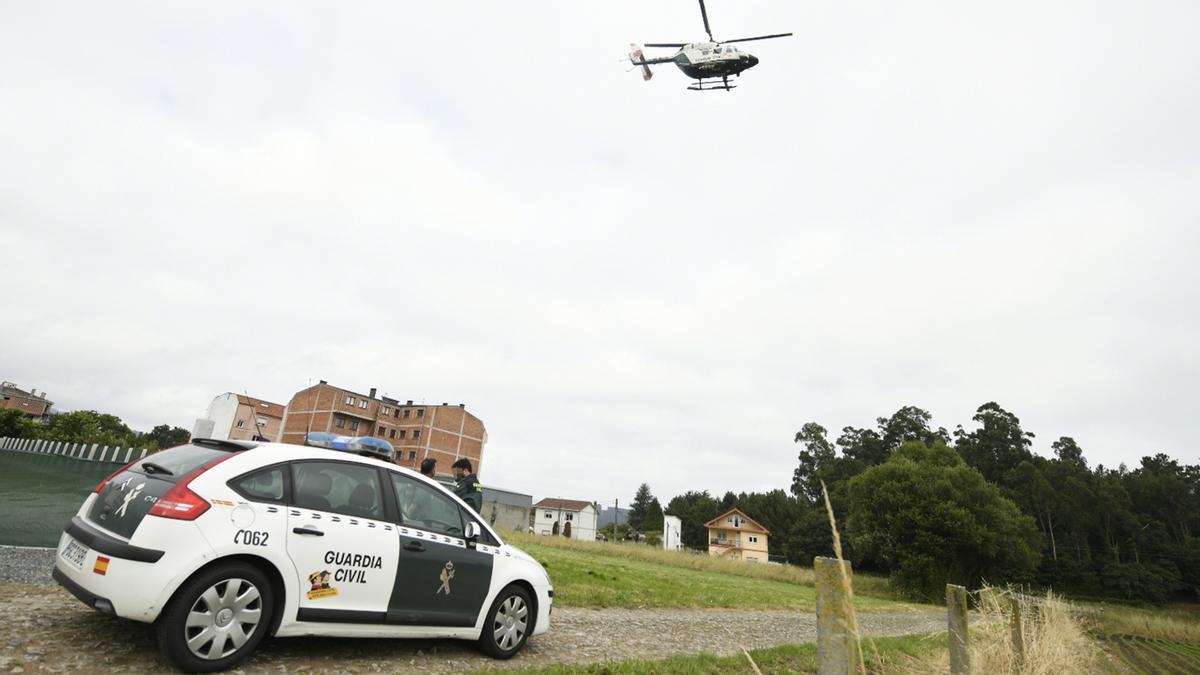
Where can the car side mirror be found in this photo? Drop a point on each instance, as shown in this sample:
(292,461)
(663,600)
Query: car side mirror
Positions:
(472,531)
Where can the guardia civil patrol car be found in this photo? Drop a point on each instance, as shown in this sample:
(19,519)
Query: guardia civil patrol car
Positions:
(221,543)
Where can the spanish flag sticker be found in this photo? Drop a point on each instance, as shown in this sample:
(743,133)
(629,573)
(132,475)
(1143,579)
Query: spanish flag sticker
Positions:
(101,565)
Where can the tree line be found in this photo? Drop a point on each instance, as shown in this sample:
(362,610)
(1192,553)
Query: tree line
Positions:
(89,426)
(928,506)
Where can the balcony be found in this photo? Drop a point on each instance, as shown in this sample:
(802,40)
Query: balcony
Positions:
(731,543)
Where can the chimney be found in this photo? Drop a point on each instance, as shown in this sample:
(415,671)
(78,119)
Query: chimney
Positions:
(323,382)
(408,402)
(444,404)
(372,394)
(463,406)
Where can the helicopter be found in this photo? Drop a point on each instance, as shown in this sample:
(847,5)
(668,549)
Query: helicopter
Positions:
(709,63)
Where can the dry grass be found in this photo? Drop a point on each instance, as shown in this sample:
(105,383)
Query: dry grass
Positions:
(1054,637)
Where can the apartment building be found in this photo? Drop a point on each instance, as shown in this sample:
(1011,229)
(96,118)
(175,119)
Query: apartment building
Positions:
(444,432)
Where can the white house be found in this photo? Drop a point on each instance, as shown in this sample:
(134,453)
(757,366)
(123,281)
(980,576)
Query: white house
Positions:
(672,538)
(566,517)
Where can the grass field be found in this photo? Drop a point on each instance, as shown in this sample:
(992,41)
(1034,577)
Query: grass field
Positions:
(599,574)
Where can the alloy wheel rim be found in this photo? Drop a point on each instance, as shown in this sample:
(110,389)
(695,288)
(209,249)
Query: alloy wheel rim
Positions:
(222,619)
(512,618)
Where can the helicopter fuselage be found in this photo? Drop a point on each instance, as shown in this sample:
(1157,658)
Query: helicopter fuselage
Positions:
(699,60)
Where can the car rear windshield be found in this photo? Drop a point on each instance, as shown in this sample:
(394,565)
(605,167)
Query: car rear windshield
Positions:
(178,461)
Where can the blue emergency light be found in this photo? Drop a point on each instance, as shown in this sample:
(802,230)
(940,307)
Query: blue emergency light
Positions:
(359,444)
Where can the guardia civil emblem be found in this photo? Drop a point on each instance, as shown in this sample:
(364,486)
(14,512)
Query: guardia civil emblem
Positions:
(446,576)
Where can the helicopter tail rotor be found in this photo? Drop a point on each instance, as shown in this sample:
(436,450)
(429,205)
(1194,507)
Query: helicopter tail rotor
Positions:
(637,58)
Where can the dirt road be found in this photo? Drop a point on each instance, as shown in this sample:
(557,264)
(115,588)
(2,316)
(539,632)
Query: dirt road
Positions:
(48,630)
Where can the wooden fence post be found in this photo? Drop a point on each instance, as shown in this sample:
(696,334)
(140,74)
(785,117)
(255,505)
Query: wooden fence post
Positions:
(837,649)
(956,612)
(1018,637)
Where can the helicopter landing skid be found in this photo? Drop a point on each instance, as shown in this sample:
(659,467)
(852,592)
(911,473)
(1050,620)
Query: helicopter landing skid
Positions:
(710,85)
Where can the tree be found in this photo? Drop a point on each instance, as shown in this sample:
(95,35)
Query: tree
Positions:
(641,505)
(934,520)
(694,509)
(14,424)
(654,517)
(168,437)
(998,446)
(818,452)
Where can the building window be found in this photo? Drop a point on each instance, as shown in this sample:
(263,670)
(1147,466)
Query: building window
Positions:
(349,400)
(353,425)
(416,434)
(406,412)
(753,540)
(402,433)
(340,423)
(393,433)
(421,412)
(382,432)
(363,404)
(262,421)
(387,410)
(549,515)
(570,516)
(241,424)
(412,455)
(396,413)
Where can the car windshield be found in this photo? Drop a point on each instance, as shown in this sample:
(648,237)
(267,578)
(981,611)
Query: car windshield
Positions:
(179,461)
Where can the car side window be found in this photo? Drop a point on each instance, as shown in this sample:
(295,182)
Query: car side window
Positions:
(424,507)
(337,487)
(265,485)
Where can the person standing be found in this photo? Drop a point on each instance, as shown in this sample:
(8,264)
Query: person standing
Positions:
(429,467)
(466,484)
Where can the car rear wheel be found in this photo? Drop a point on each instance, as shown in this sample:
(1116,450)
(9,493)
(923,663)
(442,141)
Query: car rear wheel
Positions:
(217,618)
(508,623)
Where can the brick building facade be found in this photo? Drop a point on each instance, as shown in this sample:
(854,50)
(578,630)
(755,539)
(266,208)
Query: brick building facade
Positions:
(32,403)
(443,432)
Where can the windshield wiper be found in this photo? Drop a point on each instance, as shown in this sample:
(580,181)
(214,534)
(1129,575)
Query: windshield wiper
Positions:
(151,467)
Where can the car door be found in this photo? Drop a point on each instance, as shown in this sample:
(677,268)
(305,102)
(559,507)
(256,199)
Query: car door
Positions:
(442,580)
(341,541)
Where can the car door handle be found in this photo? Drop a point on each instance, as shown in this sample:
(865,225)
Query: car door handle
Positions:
(308,530)
(415,546)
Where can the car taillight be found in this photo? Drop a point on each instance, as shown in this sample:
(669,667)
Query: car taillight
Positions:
(180,503)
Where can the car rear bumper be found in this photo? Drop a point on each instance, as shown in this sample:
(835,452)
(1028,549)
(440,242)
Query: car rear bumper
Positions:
(85,596)
(123,579)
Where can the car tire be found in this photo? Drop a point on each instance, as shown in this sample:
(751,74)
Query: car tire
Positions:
(508,623)
(217,618)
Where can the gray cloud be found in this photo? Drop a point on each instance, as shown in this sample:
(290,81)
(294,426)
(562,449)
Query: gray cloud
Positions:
(903,205)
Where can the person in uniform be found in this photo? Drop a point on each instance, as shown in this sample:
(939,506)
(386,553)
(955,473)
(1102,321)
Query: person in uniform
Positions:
(466,484)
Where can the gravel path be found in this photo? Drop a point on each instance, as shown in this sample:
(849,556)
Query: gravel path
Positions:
(48,630)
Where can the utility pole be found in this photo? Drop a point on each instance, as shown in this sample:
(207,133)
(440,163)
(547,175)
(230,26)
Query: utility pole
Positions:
(616,518)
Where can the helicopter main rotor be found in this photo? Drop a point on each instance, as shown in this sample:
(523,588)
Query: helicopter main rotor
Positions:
(707,29)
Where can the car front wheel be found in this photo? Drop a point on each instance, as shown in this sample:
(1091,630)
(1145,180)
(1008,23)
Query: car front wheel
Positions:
(508,623)
(217,618)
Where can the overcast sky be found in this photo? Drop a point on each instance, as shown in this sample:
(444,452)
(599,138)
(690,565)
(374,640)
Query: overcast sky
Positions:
(926,203)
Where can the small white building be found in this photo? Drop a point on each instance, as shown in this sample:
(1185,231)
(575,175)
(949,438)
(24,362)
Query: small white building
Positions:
(565,517)
(236,417)
(672,538)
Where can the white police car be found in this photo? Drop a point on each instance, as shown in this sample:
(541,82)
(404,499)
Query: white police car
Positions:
(221,543)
